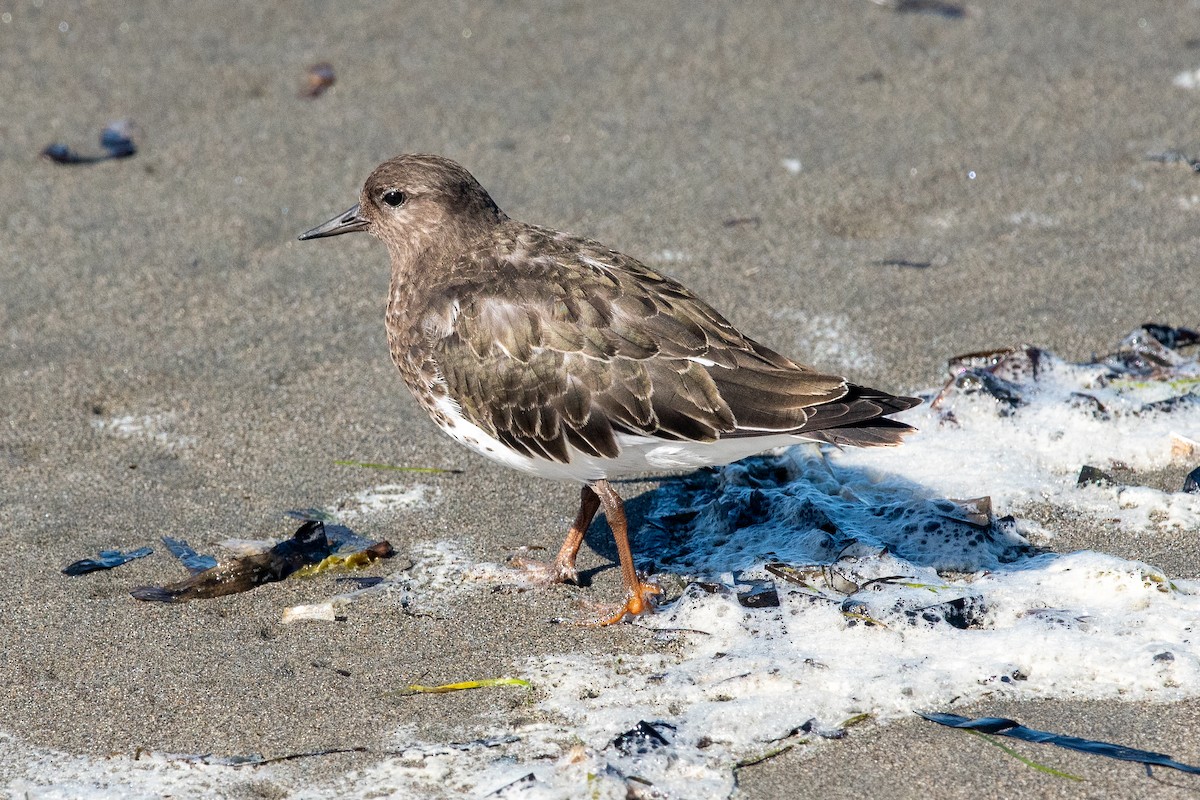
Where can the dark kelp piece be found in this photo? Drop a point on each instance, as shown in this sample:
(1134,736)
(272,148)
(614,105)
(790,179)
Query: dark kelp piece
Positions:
(107,560)
(116,139)
(1007,727)
(308,545)
(1094,476)
(1191,484)
(759,594)
(641,738)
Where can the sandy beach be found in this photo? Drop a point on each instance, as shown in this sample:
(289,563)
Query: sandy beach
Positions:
(867,189)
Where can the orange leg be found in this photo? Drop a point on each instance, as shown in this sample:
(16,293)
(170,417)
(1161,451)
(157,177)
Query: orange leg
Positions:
(562,569)
(640,594)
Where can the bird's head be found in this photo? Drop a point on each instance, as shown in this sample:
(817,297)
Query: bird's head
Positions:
(415,204)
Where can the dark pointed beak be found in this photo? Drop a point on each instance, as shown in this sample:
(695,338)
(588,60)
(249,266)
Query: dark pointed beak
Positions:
(348,222)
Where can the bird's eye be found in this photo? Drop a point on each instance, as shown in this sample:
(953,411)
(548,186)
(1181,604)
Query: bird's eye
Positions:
(394,197)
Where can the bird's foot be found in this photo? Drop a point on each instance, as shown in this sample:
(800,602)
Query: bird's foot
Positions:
(641,599)
(545,573)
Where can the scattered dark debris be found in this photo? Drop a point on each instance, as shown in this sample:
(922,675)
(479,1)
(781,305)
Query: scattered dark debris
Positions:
(317,79)
(255,760)
(487,744)
(767,756)
(116,139)
(1007,727)
(814,727)
(961,613)
(760,594)
(345,673)
(873,76)
(362,581)
(737,222)
(308,545)
(1086,402)
(807,576)
(520,784)
(107,560)
(1094,476)
(1164,657)
(1148,353)
(1171,338)
(976,380)
(1191,484)
(192,561)
(642,738)
(937,8)
(1174,157)
(905,263)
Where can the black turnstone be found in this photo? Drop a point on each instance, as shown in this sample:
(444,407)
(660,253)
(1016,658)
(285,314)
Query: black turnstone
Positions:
(558,356)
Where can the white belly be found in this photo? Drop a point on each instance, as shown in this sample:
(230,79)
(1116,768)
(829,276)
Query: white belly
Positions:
(639,454)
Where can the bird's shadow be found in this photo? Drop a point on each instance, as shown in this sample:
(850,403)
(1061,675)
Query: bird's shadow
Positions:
(800,507)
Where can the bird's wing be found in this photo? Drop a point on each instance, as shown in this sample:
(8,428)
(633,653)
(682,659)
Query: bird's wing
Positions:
(589,343)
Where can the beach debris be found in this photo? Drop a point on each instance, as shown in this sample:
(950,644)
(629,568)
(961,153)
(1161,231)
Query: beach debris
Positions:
(329,610)
(316,546)
(117,140)
(1184,447)
(107,560)
(317,79)
(1094,476)
(192,561)
(308,545)
(1006,727)
(737,222)
(354,560)
(642,738)
(1175,156)
(519,785)
(938,8)
(904,263)
(760,594)
(826,583)
(1191,484)
(1150,355)
(445,688)
(752,761)
(258,760)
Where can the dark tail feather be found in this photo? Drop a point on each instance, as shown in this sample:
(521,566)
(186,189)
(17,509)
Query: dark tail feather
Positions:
(878,432)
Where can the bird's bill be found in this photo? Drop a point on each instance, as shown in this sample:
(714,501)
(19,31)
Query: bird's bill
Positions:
(348,222)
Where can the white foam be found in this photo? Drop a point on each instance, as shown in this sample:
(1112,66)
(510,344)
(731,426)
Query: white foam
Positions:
(160,429)
(1189,79)
(387,498)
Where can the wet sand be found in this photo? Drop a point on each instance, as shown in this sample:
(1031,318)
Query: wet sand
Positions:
(868,190)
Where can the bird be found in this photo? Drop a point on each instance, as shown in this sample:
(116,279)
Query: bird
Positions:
(558,356)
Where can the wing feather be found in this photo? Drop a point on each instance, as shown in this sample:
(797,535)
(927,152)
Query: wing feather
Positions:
(570,348)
